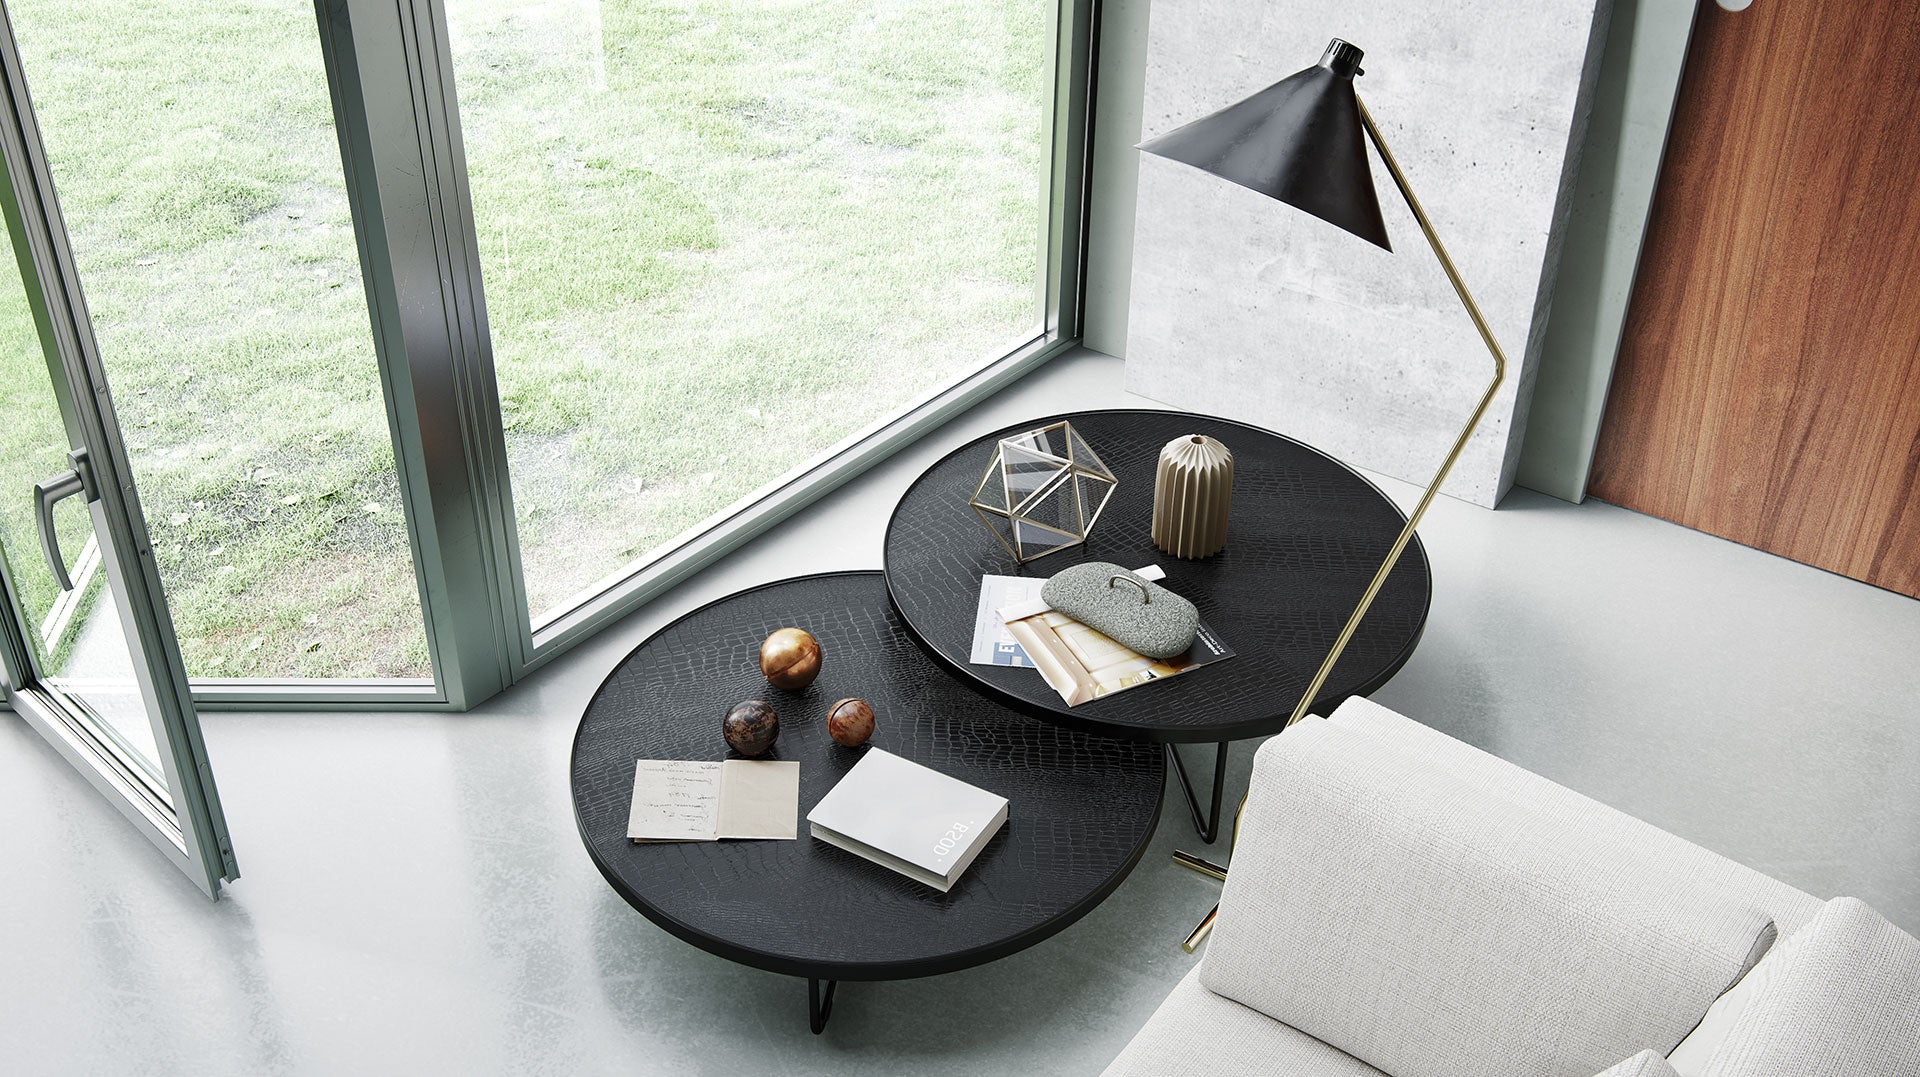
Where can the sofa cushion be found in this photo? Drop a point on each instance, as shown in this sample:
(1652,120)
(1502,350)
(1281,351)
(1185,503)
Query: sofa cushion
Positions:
(1644,1064)
(1196,1033)
(1789,907)
(1844,1001)
(1415,922)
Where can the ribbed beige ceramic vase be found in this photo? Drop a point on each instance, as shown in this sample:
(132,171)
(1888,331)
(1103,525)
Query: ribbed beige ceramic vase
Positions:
(1191,496)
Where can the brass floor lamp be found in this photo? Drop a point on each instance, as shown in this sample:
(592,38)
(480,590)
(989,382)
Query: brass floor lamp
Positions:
(1300,141)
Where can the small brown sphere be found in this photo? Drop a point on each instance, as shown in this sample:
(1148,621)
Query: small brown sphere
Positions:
(751,727)
(850,722)
(790,658)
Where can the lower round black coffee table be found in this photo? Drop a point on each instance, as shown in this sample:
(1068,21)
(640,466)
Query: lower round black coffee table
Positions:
(1083,806)
(1305,536)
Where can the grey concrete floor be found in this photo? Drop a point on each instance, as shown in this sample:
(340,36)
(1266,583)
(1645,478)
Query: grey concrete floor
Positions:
(415,898)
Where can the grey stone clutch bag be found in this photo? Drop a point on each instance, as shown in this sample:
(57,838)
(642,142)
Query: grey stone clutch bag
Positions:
(1138,614)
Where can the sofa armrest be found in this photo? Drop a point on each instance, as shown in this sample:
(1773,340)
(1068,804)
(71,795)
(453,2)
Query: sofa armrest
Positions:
(1413,921)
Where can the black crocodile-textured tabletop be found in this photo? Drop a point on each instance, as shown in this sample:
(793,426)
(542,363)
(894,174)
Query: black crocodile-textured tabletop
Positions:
(1082,806)
(1306,534)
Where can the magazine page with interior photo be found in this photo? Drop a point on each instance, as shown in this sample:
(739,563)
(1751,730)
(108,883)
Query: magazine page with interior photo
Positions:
(1082,664)
(993,645)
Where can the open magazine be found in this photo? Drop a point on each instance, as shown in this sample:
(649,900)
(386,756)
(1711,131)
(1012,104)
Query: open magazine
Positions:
(1016,628)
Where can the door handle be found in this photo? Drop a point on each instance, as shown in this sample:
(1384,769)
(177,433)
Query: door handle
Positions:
(49,493)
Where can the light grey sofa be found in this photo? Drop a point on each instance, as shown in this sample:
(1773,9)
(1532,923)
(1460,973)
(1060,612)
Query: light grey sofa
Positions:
(1401,903)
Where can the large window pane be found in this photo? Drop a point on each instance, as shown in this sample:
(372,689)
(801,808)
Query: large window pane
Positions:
(718,236)
(193,149)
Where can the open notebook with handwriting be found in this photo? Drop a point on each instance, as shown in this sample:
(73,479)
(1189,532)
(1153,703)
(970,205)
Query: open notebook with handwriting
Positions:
(699,800)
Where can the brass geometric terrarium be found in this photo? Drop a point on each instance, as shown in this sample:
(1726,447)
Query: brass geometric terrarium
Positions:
(1042,491)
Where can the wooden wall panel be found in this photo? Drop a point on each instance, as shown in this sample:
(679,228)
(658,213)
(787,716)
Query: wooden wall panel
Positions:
(1768,385)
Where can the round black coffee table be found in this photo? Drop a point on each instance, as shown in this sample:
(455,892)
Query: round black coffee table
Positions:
(1083,806)
(1306,534)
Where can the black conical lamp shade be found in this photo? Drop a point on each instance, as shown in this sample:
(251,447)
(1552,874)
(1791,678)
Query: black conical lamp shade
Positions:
(1299,141)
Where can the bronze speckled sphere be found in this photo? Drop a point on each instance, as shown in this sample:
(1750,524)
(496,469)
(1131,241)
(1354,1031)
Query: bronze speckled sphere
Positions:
(850,722)
(790,658)
(751,727)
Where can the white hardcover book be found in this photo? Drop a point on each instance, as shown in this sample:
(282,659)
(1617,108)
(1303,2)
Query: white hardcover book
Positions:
(913,819)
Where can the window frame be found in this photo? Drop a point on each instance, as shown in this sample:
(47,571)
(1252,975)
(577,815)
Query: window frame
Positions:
(390,74)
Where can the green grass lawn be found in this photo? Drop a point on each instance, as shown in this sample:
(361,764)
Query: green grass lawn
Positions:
(716,237)
(746,231)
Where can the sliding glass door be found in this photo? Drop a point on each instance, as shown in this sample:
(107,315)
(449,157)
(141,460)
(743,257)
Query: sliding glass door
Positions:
(86,640)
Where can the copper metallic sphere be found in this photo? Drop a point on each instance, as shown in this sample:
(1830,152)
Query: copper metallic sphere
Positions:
(850,722)
(790,658)
(751,727)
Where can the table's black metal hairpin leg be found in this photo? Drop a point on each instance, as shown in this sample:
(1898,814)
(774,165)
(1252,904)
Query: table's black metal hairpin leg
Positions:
(1209,824)
(819,1004)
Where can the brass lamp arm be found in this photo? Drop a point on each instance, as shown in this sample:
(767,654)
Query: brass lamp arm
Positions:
(1419,510)
(1459,444)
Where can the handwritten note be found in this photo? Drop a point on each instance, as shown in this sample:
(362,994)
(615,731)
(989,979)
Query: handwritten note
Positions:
(675,800)
(695,800)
